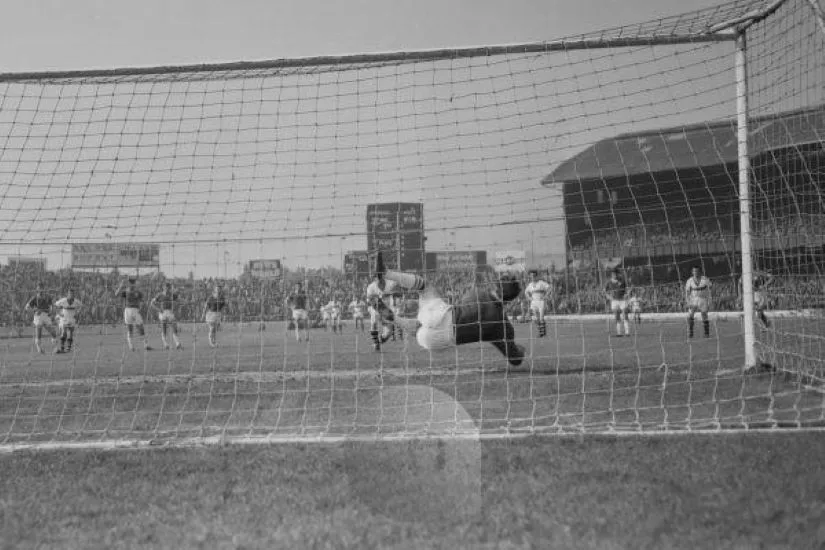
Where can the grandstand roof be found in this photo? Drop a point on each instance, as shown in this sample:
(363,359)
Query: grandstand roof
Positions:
(685,147)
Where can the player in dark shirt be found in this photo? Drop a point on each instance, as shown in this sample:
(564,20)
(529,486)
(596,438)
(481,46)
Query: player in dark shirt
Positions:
(41,305)
(212,314)
(616,292)
(297,302)
(477,316)
(165,304)
(131,312)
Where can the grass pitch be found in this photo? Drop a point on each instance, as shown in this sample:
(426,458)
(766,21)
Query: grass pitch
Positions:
(728,490)
(265,384)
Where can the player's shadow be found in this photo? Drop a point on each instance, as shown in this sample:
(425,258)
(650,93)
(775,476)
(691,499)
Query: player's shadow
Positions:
(431,474)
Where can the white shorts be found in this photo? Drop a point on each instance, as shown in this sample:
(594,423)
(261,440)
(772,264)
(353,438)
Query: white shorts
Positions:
(618,305)
(436,331)
(698,304)
(299,315)
(636,307)
(358,315)
(166,316)
(326,316)
(131,316)
(213,317)
(42,320)
(66,323)
(537,309)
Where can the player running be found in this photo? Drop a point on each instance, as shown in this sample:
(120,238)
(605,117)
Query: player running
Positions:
(165,304)
(477,316)
(297,302)
(537,292)
(697,296)
(212,314)
(616,293)
(69,306)
(358,309)
(131,312)
(41,304)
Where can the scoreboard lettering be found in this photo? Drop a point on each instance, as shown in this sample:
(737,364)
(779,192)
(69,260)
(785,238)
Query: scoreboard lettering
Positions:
(397,230)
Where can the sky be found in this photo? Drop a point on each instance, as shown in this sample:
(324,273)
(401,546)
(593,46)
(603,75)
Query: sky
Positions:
(217,196)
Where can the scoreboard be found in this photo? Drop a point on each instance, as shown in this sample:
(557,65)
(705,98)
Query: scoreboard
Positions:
(397,230)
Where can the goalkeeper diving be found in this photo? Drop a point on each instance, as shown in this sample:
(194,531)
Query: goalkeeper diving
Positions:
(477,316)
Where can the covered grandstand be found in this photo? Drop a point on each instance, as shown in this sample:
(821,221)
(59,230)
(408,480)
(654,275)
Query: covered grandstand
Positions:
(668,198)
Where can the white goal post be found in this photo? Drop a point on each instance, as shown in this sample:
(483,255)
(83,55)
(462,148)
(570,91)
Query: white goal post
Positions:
(238,195)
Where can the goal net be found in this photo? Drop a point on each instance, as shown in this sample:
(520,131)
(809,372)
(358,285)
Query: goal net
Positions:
(619,151)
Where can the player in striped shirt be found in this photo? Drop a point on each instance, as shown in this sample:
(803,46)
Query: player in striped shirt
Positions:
(132,318)
(41,305)
(537,292)
(616,292)
(165,304)
(69,306)
(697,296)
(212,314)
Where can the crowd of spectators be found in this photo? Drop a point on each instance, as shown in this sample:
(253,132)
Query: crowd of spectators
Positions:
(250,300)
(807,228)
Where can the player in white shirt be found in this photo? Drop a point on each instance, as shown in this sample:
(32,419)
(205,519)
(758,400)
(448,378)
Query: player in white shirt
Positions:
(332,314)
(697,296)
(634,303)
(326,315)
(538,291)
(358,309)
(382,317)
(67,320)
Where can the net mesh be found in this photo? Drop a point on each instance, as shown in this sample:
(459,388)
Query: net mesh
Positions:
(571,157)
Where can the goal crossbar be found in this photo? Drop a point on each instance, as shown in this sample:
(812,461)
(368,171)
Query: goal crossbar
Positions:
(384,57)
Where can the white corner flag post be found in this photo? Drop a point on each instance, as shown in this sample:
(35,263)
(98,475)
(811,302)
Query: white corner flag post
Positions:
(744,200)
